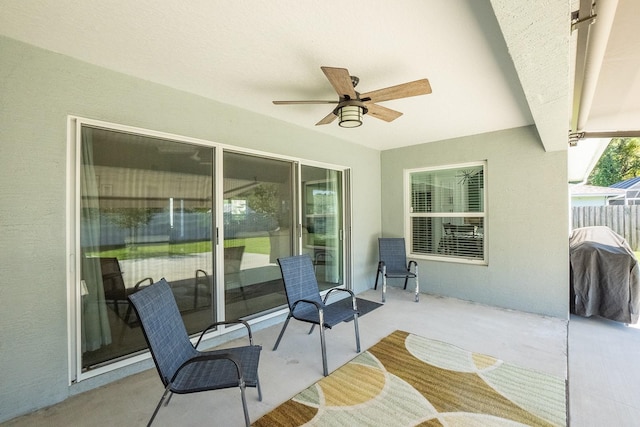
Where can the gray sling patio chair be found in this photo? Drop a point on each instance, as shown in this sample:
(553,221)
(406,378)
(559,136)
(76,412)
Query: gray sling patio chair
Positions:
(306,305)
(182,368)
(393,264)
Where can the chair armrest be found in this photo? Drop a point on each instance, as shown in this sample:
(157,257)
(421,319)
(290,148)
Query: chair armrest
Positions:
(227,322)
(207,357)
(146,279)
(319,307)
(412,262)
(353,296)
(307,301)
(380,265)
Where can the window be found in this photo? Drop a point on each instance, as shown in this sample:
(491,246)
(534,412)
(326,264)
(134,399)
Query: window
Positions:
(446,212)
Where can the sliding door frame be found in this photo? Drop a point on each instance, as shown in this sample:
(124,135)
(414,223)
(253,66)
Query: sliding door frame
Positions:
(74,320)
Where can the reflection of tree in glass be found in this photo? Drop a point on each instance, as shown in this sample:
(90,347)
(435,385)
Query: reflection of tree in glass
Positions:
(264,199)
(131,218)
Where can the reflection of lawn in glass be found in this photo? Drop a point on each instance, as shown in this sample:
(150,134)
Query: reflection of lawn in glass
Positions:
(256,245)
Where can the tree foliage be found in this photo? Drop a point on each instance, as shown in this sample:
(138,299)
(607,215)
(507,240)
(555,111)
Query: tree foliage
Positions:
(265,199)
(620,161)
(131,218)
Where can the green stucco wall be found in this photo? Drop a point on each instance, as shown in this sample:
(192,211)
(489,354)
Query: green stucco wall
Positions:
(38,90)
(527,220)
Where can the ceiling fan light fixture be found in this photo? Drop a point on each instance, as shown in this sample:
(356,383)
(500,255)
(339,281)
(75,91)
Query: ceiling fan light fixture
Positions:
(350,114)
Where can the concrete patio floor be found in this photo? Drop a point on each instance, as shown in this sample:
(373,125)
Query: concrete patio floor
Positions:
(601,358)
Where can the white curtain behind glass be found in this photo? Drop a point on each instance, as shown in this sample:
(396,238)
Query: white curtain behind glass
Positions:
(96,331)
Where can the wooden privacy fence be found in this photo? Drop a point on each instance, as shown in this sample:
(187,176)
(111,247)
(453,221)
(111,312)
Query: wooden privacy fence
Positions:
(624,220)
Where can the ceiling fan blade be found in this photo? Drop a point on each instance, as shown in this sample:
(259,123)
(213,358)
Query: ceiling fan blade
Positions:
(328,119)
(382,113)
(304,102)
(341,81)
(405,90)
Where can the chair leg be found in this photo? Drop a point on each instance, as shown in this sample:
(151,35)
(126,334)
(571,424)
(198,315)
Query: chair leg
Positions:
(128,315)
(355,325)
(313,325)
(384,284)
(375,287)
(155,412)
(168,399)
(195,293)
(323,345)
(286,322)
(417,298)
(406,279)
(325,371)
(244,405)
(259,389)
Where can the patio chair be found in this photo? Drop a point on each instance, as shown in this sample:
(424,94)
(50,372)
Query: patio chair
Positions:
(448,242)
(393,264)
(114,287)
(306,305)
(182,368)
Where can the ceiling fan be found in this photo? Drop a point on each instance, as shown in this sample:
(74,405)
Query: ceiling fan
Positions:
(353,105)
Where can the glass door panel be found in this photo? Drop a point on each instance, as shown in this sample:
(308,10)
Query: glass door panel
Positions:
(322,223)
(258,229)
(145,214)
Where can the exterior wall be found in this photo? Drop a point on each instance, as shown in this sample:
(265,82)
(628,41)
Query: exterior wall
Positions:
(527,220)
(38,89)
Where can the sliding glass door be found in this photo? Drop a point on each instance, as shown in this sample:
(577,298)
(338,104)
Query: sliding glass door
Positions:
(258,228)
(145,213)
(322,223)
(213,222)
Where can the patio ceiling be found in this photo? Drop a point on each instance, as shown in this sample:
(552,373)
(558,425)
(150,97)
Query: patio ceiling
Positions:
(606,96)
(492,64)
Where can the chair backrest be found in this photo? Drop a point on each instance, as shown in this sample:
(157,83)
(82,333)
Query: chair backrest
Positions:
(299,279)
(393,253)
(233,259)
(112,279)
(163,328)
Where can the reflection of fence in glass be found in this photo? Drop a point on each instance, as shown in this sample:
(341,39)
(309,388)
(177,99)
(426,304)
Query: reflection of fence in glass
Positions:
(195,226)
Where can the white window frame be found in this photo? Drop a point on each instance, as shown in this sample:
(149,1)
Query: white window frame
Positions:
(408,215)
